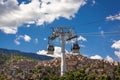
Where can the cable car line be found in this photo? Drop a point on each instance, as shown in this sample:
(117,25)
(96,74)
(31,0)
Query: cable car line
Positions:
(99,33)
(96,21)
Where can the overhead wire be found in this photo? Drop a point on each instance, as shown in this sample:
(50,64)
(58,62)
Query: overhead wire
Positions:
(102,35)
(113,33)
(96,21)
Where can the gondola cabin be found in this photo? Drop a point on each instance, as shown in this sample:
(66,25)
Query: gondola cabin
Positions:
(75,49)
(50,49)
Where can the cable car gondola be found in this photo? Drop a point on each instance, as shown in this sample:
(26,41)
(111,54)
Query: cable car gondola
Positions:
(50,49)
(75,48)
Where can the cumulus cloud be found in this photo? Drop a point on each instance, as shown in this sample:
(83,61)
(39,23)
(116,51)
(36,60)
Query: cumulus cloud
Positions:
(42,52)
(57,52)
(96,57)
(17,42)
(26,38)
(81,38)
(117,53)
(36,12)
(9,30)
(115,17)
(116,45)
(108,58)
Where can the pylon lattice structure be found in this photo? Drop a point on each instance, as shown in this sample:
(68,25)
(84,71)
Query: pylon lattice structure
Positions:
(65,34)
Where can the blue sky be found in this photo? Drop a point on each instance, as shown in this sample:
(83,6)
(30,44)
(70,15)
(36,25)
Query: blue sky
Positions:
(25,25)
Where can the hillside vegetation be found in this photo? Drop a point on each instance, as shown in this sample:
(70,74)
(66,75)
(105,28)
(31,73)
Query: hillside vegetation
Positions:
(78,68)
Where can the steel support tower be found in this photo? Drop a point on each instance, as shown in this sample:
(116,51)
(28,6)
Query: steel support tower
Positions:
(64,34)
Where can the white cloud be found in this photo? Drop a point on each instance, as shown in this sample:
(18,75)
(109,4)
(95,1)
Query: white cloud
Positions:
(81,38)
(45,39)
(28,25)
(26,38)
(17,42)
(9,30)
(42,52)
(108,58)
(115,17)
(116,44)
(83,46)
(96,57)
(117,53)
(93,2)
(57,52)
(36,12)
(102,32)
(36,40)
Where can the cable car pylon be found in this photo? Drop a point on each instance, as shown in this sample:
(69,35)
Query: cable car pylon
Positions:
(65,34)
